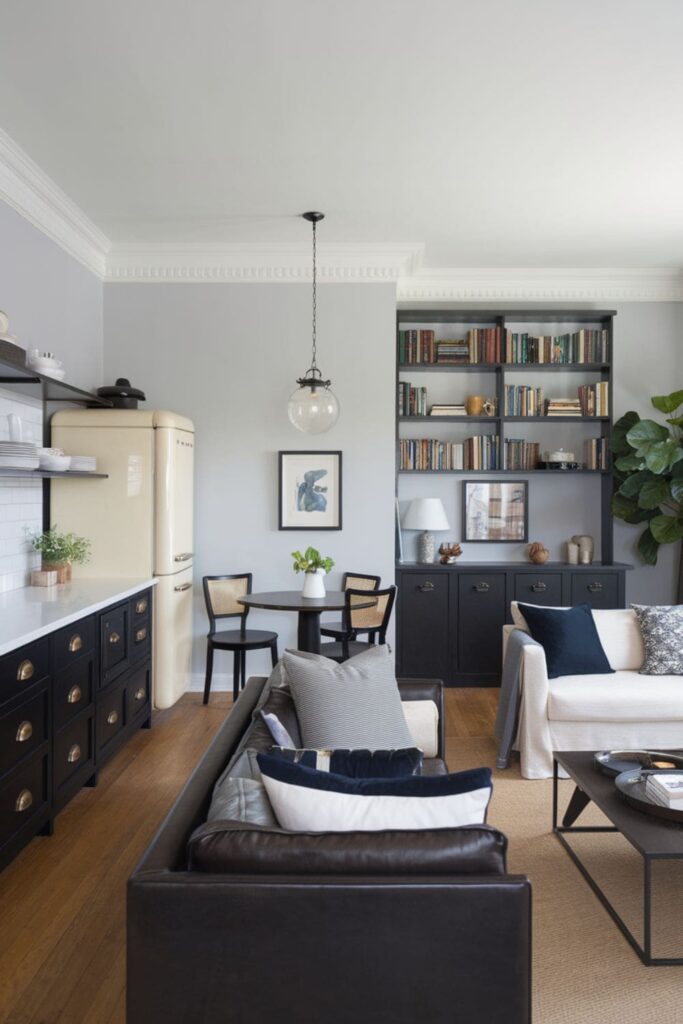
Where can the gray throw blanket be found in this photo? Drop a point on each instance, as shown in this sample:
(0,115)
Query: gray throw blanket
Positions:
(510,695)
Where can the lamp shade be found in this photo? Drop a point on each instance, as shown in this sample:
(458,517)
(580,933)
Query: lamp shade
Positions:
(425,514)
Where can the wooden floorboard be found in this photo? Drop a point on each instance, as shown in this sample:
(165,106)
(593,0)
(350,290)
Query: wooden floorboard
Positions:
(62,901)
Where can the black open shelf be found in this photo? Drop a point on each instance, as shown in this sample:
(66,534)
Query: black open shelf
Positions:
(46,474)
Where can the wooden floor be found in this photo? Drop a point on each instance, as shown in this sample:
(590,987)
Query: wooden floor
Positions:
(62,901)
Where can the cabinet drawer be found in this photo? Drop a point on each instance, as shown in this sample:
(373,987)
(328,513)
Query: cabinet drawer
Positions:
(140,640)
(23,730)
(137,693)
(110,716)
(73,691)
(539,588)
(141,607)
(481,616)
(73,749)
(22,669)
(74,642)
(424,633)
(22,796)
(598,589)
(114,639)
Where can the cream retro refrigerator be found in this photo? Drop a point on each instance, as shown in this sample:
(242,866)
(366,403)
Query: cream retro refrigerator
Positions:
(139,520)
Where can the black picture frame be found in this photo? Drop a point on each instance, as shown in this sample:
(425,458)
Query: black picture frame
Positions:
(291,464)
(473,535)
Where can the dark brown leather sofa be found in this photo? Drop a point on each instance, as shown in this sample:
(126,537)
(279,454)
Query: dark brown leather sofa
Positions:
(429,945)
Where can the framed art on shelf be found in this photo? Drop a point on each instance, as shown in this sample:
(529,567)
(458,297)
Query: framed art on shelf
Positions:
(310,491)
(496,511)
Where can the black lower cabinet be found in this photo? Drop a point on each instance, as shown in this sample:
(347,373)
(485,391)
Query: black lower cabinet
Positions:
(67,703)
(450,619)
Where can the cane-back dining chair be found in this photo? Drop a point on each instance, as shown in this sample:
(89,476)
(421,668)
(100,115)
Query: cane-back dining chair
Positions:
(375,623)
(221,594)
(360,624)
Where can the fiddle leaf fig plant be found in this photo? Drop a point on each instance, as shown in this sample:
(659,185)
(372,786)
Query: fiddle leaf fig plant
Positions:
(311,561)
(648,476)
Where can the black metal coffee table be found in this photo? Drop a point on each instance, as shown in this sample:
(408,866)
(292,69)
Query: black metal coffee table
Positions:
(653,838)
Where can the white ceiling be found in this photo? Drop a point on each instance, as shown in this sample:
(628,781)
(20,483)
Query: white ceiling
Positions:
(540,133)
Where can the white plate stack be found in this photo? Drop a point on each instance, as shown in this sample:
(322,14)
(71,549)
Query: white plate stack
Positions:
(83,464)
(18,455)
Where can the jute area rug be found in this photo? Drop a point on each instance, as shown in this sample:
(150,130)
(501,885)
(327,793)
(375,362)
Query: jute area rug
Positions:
(584,971)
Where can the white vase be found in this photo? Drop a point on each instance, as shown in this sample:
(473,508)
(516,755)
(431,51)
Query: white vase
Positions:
(314,584)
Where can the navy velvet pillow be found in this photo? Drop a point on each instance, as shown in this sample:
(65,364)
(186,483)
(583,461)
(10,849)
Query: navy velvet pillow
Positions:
(569,638)
(357,764)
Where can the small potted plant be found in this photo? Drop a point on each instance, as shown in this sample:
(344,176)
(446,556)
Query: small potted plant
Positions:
(60,550)
(314,567)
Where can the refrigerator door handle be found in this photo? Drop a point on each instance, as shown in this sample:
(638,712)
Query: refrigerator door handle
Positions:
(185,557)
(182,586)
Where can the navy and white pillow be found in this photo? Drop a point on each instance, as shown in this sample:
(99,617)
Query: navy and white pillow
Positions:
(356,764)
(306,800)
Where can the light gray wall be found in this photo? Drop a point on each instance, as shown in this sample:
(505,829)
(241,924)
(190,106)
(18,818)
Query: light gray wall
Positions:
(227,356)
(648,360)
(52,301)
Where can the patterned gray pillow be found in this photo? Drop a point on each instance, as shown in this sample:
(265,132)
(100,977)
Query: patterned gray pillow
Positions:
(662,629)
(355,704)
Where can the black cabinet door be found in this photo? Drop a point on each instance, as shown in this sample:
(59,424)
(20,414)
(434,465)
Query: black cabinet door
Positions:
(114,640)
(423,640)
(598,589)
(481,616)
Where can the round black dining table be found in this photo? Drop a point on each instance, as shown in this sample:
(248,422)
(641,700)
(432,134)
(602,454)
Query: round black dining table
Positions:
(309,609)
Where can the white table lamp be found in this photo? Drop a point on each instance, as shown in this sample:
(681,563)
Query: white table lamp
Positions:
(426,514)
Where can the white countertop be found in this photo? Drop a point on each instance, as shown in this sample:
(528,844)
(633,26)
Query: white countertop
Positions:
(32,612)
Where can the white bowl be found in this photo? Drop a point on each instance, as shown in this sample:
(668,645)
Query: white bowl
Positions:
(55,463)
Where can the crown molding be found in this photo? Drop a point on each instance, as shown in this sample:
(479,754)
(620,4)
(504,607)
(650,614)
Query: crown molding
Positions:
(590,284)
(252,263)
(29,191)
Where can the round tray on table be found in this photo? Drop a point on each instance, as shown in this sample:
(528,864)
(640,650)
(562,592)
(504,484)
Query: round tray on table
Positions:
(631,785)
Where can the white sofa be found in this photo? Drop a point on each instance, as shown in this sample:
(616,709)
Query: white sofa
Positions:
(623,711)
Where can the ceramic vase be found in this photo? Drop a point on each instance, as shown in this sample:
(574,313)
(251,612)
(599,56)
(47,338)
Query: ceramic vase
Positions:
(314,584)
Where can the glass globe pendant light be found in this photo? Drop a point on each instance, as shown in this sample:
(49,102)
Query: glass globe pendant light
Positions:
(313,407)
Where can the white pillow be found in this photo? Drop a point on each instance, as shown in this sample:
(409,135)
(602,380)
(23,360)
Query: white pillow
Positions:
(306,800)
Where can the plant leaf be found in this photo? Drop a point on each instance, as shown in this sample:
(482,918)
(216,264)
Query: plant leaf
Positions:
(629,510)
(653,492)
(667,529)
(627,463)
(632,484)
(668,403)
(619,444)
(676,485)
(661,455)
(675,421)
(646,431)
(648,547)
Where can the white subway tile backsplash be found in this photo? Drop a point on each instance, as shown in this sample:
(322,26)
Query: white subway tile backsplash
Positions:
(21,500)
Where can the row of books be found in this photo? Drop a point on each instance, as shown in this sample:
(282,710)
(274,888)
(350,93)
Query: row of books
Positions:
(482,345)
(448,410)
(596,453)
(520,454)
(584,346)
(594,399)
(522,400)
(563,407)
(486,345)
(665,789)
(411,401)
(475,453)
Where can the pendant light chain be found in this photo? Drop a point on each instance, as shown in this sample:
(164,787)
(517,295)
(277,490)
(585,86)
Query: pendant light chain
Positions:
(314,365)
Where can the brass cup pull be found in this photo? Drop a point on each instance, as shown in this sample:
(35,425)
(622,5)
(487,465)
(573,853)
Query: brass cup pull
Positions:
(74,754)
(75,643)
(140,694)
(482,588)
(426,586)
(595,588)
(141,635)
(112,718)
(74,695)
(141,606)
(23,801)
(114,638)
(25,671)
(24,732)
(539,588)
